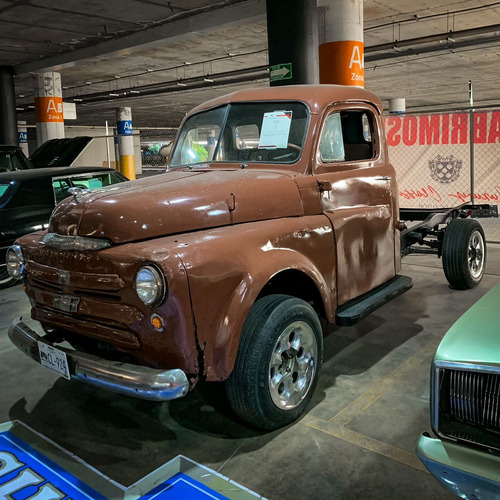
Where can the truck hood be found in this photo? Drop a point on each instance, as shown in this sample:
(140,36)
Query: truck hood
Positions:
(474,338)
(177,202)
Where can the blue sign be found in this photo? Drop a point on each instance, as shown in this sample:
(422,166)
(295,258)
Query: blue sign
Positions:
(23,137)
(25,473)
(182,487)
(124,127)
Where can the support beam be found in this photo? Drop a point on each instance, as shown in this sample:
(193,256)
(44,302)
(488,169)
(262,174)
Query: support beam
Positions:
(232,16)
(8,118)
(292,34)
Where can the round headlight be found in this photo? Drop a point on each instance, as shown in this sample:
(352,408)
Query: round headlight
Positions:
(14,261)
(149,285)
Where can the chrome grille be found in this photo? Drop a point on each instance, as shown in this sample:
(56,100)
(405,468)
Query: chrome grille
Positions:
(474,398)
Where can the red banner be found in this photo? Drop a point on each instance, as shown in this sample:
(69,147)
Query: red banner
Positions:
(431,155)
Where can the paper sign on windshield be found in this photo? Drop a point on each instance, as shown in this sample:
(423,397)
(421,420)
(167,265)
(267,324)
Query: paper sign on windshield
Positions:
(275,130)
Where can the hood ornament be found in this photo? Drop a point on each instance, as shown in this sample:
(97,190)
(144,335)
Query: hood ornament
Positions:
(78,191)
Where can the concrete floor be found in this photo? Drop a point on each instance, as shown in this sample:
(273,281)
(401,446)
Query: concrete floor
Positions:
(357,440)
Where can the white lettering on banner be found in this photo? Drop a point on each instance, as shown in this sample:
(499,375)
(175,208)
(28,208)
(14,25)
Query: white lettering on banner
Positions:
(24,479)
(8,463)
(47,492)
(431,155)
(51,106)
(356,58)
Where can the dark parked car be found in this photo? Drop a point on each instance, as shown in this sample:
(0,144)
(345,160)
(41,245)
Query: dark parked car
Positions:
(28,197)
(53,153)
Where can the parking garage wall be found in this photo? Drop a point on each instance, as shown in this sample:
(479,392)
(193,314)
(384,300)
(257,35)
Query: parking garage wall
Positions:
(434,160)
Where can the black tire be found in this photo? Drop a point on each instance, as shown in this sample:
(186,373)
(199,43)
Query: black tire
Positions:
(5,280)
(464,253)
(281,348)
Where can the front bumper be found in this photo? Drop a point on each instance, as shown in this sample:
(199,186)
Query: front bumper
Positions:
(125,378)
(463,471)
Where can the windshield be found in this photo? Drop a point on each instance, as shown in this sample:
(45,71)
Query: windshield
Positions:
(267,132)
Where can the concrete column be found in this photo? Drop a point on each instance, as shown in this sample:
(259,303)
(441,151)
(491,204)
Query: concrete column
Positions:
(23,137)
(125,141)
(341,47)
(292,35)
(8,125)
(48,107)
(397,105)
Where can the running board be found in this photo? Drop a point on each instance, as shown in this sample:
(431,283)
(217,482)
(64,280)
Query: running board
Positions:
(356,309)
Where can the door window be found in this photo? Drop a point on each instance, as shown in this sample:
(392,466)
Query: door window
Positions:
(347,136)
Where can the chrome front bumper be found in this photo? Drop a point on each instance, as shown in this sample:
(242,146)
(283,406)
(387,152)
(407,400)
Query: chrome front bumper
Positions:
(125,378)
(466,472)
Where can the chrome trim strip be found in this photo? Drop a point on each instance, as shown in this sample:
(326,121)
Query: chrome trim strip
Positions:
(125,378)
(473,367)
(78,243)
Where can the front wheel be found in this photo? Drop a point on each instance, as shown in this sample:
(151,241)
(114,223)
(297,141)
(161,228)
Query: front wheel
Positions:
(278,362)
(464,253)
(5,280)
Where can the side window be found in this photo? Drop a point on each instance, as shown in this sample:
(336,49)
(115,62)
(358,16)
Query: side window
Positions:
(331,144)
(347,136)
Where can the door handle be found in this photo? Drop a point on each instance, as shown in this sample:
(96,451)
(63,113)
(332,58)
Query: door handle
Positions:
(382,178)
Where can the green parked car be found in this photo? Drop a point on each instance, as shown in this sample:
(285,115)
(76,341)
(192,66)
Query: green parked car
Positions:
(465,405)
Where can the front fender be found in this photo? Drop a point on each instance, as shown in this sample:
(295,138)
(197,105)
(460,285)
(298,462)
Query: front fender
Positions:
(228,267)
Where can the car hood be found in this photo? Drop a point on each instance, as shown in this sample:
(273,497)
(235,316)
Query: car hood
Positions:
(59,152)
(177,202)
(475,338)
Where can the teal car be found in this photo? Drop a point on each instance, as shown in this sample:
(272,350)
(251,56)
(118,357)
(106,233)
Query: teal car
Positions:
(465,405)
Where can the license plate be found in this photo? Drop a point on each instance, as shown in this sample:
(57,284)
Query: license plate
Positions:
(54,359)
(66,303)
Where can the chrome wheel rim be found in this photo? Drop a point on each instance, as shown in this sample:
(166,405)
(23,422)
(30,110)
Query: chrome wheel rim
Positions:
(475,259)
(293,365)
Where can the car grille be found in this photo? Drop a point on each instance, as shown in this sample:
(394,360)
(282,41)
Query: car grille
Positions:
(475,398)
(102,313)
(469,406)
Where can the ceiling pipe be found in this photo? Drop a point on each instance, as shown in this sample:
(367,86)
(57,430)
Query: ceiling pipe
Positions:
(434,38)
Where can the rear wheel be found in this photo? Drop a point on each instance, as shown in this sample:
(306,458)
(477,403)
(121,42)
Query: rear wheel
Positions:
(464,253)
(278,361)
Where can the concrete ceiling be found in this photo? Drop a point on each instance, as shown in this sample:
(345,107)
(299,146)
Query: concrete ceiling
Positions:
(163,58)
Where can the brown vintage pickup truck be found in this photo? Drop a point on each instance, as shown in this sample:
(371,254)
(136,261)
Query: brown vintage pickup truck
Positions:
(280,207)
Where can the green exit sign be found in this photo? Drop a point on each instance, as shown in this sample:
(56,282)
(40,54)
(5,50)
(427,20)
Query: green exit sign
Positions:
(280,72)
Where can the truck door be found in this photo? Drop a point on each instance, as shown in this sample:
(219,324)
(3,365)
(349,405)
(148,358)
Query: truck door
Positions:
(359,196)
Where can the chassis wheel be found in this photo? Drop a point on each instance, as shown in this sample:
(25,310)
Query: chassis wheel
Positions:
(278,361)
(464,253)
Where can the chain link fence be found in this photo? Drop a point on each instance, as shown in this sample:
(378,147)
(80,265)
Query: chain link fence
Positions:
(155,149)
(446,159)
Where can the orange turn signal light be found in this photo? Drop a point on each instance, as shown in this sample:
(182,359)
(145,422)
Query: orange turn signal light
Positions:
(157,322)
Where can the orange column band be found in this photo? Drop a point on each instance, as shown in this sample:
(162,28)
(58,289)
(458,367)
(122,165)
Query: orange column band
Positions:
(342,63)
(49,109)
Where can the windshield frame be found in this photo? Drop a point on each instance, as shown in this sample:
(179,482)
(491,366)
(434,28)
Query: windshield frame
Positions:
(278,104)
